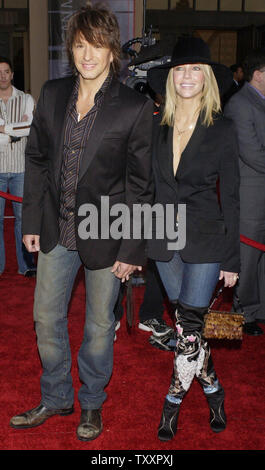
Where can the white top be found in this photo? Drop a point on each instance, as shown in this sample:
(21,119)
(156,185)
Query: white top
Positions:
(16,115)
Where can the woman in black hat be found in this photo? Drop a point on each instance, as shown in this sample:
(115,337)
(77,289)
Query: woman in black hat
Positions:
(194,148)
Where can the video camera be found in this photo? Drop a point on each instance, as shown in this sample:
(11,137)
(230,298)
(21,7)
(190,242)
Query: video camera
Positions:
(150,55)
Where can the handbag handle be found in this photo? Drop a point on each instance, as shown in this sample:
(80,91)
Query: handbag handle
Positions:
(219,292)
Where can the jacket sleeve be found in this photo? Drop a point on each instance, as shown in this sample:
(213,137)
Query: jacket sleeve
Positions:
(139,183)
(22,128)
(36,170)
(229,198)
(251,150)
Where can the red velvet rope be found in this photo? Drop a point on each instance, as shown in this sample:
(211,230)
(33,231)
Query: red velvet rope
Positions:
(243,239)
(253,243)
(10,197)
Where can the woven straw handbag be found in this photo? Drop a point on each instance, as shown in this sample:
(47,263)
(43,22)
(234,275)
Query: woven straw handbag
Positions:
(223,325)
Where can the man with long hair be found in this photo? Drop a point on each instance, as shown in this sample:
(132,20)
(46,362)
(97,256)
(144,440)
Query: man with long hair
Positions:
(90,138)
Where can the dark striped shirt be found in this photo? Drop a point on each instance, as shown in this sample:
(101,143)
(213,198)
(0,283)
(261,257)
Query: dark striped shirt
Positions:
(76,134)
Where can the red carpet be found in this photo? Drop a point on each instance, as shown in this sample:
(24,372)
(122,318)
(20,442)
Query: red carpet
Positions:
(136,392)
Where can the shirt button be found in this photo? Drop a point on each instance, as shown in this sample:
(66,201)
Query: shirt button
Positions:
(71,213)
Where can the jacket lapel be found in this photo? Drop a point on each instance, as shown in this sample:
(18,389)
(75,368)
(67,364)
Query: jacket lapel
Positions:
(164,149)
(62,100)
(253,96)
(106,114)
(165,152)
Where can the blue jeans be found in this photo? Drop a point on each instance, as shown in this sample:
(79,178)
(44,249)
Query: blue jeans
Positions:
(15,183)
(190,284)
(55,278)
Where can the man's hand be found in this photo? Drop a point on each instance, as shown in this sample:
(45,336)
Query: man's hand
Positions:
(24,119)
(230,279)
(124,270)
(32,243)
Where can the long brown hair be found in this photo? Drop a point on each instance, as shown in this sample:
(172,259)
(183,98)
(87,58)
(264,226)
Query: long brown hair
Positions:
(99,26)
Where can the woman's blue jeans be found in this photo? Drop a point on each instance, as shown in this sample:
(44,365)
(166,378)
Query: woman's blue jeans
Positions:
(56,274)
(189,283)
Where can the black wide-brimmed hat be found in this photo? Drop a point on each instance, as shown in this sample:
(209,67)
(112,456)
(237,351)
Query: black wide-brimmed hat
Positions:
(189,50)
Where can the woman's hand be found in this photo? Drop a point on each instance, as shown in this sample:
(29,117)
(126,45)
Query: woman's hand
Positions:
(230,279)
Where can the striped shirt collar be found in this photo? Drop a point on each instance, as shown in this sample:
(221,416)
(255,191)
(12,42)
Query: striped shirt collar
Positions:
(15,92)
(99,93)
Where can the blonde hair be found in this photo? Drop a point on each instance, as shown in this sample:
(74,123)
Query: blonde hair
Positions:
(210,99)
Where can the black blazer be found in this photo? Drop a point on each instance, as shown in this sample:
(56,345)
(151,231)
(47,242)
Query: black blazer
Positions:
(212,224)
(116,163)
